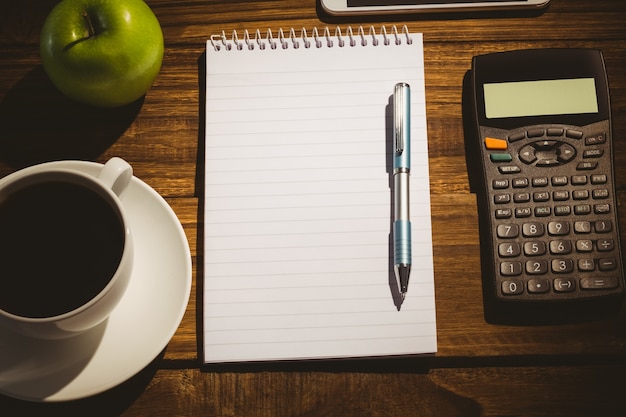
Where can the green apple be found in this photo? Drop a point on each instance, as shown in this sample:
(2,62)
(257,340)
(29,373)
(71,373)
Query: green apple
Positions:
(105,53)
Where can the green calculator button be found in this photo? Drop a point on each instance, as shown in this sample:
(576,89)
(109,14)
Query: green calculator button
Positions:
(501,157)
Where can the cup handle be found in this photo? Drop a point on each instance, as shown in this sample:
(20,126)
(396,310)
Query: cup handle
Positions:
(116,174)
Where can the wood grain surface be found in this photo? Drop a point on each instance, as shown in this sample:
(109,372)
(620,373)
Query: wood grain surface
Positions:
(480,369)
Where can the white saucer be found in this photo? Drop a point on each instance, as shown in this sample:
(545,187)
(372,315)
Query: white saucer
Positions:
(135,333)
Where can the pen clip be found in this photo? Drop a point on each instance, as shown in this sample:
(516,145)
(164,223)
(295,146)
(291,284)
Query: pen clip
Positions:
(398,117)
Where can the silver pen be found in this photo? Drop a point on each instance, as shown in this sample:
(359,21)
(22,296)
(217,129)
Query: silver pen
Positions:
(401,174)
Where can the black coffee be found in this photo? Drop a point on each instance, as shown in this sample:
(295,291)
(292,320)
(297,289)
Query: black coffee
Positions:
(60,244)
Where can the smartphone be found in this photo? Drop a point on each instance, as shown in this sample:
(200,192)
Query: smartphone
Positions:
(546,197)
(361,7)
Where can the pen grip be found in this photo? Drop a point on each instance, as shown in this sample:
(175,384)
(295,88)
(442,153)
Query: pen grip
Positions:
(402,242)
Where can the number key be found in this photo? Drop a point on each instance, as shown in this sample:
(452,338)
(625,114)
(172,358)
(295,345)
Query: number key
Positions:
(558,228)
(512,287)
(508,250)
(534,248)
(532,229)
(508,230)
(510,268)
(562,266)
(560,247)
(536,267)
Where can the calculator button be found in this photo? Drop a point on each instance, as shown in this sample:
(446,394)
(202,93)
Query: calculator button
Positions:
(562,210)
(495,144)
(512,287)
(500,184)
(574,134)
(560,195)
(510,268)
(580,194)
(549,162)
(559,181)
(564,285)
(596,139)
(534,248)
(558,228)
(517,136)
(540,181)
(507,231)
(523,212)
(605,245)
(607,264)
(598,179)
(538,267)
(603,226)
(593,153)
(566,152)
(600,194)
(584,245)
(527,154)
(582,227)
(535,133)
(521,197)
(509,169)
(586,166)
(508,250)
(501,198)
(582,209)
(579,179)
(520,182)
(538,286)
(541,196)
(532,229)
(542,211)
(504,213)
(598,283)
(555,131)
(500,157)
(560,247)
(544,145)
(601,208)
(586,265)
(562,266)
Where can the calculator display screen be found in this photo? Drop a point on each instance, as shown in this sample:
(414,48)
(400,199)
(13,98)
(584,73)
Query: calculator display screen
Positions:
(540,98)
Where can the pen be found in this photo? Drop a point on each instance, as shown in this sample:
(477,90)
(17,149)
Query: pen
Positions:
(401,173)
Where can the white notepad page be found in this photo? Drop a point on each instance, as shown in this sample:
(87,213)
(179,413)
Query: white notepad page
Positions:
(298,203)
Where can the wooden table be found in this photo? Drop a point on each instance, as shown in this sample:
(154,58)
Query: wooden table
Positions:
(480,369)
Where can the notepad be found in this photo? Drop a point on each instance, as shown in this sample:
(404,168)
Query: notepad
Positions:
(298,198)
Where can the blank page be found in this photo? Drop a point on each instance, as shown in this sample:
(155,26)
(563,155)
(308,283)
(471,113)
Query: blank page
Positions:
(298,200)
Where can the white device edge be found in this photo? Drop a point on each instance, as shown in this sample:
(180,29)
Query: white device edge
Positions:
(340,7)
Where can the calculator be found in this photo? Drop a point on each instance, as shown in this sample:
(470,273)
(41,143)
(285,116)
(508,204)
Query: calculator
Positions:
(546,194)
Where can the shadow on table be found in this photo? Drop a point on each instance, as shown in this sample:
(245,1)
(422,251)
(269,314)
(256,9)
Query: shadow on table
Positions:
(39,124)
(109,403)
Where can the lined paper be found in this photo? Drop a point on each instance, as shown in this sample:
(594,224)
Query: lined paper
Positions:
(298,204)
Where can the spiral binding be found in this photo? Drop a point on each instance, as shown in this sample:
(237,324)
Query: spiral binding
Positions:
(286,40)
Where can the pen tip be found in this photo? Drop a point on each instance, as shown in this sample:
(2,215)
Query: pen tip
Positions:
(403,296)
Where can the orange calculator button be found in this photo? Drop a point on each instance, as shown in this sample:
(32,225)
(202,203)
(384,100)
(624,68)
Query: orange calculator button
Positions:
(499,144)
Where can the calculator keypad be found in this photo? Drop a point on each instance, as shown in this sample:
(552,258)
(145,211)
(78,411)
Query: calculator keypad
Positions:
(553,209)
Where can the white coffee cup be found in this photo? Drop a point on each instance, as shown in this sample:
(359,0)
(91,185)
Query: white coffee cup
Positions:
(66,251)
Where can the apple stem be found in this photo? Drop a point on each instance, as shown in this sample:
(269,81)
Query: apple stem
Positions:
(91,29)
